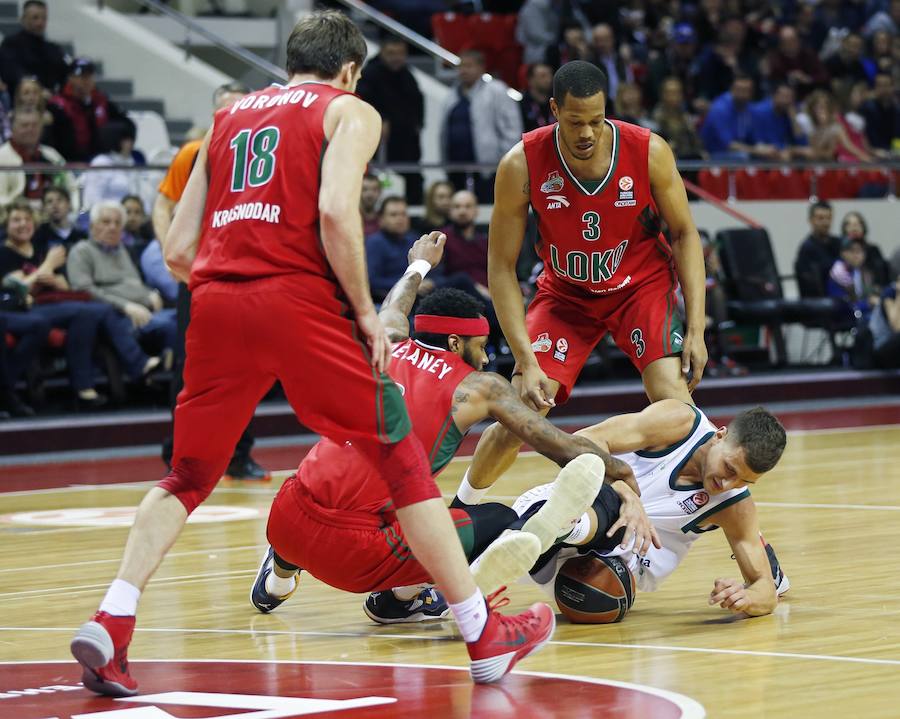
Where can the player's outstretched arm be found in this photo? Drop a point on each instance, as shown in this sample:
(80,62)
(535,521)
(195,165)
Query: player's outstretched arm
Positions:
(668,191)
(755,595)
(485,394)
(395,309)
(657,426)
(181,241)
(507,230)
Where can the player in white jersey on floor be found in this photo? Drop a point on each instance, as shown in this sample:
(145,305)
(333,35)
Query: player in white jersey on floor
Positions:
(693,479)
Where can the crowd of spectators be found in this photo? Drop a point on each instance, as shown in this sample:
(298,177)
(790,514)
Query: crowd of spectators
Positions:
(719,79)
(746,80)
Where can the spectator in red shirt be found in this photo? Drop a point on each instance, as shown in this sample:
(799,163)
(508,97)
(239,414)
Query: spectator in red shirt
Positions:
(795,64)
(466,248)
(87,110)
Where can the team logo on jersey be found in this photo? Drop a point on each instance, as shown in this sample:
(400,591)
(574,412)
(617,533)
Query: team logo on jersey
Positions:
(555,202)
(562,349)
(694,502)
(595,267)
(543,343)
(553,183)
(626,193)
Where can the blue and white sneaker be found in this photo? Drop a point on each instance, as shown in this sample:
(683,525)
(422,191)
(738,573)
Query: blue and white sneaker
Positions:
(385,608)
(782,583)
(259,597)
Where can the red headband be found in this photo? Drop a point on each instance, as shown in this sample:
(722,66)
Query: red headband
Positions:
(465,327)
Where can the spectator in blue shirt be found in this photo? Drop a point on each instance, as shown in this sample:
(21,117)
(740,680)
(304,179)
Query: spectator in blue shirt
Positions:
(728,132)
(156,274)
(885,327)
(775,123)
(387,249)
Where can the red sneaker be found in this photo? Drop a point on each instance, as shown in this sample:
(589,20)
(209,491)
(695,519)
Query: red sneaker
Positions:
(506,640)
(101,647)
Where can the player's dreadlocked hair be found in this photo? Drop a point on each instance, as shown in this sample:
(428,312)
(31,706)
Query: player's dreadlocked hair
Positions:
(447,302)
(578,79)
(761,435)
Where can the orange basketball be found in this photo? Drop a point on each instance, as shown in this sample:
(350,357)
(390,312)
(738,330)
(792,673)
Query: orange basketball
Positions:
(594,590)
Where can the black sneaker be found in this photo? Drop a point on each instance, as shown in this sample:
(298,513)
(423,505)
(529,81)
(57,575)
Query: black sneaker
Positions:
(247,469)
(385,608)
(259,597)
(13,406)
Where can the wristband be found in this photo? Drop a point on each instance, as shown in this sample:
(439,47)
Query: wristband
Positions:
(423,267)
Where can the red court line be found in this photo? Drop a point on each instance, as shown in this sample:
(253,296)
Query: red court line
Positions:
(141,469)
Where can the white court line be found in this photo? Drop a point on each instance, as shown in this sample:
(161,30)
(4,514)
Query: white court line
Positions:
(802,505)
(421,637)
(690,708)
(165,581)
(213,551)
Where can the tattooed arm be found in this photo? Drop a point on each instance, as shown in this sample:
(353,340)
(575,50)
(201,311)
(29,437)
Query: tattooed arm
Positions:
(399,301)
(485,394)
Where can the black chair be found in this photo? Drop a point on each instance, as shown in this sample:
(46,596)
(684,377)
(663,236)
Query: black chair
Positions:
(755,292)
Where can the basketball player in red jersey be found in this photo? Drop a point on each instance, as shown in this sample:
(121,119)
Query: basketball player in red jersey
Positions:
(334,518)
(601,190)
(269,236)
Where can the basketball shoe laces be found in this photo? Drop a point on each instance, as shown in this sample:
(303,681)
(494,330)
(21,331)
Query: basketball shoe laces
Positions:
(515,627)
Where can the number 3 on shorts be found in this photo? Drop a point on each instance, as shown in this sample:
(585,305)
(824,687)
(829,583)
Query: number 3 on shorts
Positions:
(637,339)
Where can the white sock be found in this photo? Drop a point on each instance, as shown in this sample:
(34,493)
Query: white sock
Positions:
(279,586)
(407,594)
(579,533)
(471,616)
(467,494)
(121,599)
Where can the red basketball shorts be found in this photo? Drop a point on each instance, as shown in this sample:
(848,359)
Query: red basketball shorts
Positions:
(350,550)
(244,336)
(564,330)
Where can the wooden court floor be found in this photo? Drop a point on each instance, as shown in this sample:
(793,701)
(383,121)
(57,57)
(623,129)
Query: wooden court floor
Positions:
(832,648)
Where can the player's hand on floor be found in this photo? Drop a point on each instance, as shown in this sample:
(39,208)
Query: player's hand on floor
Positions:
(428,247)
(376,338)
(536,389)
(730,594)
(693,358)
(635,521)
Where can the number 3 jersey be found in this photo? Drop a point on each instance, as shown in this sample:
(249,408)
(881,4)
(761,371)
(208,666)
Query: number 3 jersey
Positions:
(596,237)
(262,206)
(677,511)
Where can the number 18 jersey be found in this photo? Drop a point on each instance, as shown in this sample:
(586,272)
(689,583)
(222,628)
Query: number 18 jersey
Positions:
(262,206)
(602,237)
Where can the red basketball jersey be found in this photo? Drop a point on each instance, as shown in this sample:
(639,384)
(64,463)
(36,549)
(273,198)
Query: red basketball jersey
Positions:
(602,237)
(340,478)
(262,206)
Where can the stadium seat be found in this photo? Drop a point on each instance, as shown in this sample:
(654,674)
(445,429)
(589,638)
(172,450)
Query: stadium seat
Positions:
(752,184)
(152,133)
(452,31)
(789,183)
(829,184)
(714,181)
(755,294)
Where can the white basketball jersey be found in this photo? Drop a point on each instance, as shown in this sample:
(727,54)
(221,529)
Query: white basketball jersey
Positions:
(676,511)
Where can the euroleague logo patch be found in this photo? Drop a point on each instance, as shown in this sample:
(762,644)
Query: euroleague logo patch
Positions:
(287,690)
(694,502)
(562,349)
(626,192)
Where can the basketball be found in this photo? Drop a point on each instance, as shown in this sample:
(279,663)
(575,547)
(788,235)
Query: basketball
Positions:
(594,590)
